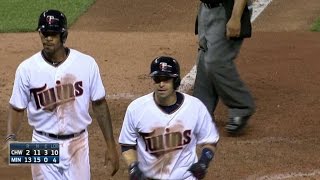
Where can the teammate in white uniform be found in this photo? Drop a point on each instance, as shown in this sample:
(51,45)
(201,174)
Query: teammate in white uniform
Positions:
(56,86)
(161,130)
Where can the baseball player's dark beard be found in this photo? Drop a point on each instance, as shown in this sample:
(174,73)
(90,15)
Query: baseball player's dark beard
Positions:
(48,52)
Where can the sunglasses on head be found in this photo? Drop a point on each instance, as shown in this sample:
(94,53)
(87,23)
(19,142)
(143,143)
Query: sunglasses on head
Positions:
(48,33)
(158,79)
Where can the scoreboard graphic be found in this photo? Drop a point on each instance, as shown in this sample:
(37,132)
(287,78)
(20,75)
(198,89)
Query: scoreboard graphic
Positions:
(33,153)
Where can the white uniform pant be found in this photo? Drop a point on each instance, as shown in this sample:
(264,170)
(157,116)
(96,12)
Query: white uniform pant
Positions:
(74,159)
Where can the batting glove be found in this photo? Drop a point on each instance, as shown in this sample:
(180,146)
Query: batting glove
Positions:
(199,169)
(135,173)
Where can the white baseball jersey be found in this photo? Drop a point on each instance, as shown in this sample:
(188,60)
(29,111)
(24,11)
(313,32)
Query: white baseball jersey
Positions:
(166,143)
(57,98)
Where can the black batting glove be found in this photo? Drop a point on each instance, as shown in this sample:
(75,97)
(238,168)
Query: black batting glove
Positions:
(135,173)
(199,169)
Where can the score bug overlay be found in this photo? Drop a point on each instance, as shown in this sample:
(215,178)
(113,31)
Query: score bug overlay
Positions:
(33,153)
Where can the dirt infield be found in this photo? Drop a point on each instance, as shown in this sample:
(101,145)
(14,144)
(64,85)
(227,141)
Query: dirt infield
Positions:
(280,64)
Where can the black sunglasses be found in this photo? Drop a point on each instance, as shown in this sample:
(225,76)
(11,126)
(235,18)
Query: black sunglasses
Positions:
(158,79)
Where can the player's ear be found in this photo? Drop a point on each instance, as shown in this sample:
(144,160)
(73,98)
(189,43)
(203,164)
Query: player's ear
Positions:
(64,36)
(176,82)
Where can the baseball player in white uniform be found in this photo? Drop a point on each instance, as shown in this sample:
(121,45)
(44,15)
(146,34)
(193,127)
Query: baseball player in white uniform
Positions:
(56,86)
(161,130)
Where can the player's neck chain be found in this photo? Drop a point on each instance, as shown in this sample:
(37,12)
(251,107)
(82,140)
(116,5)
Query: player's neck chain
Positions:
(45,57)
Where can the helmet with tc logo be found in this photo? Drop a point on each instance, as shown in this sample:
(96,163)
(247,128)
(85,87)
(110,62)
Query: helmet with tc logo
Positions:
(166,66)
(53,21)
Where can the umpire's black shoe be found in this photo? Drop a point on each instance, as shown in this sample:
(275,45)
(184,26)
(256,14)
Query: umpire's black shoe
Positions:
(236,124)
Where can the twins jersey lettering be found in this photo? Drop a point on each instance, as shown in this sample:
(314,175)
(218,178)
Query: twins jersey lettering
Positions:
(167,141)
(57,98)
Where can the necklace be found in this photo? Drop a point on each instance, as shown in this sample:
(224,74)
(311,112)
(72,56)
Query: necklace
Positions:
(55,63)
(45,57)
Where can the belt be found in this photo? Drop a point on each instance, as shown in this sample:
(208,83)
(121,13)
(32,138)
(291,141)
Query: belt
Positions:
(212,5)
(62,137)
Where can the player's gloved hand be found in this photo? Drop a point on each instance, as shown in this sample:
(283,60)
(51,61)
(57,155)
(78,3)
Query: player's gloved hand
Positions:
(135,173)
(199,169)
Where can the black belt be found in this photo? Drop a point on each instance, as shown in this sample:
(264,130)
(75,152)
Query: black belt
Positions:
(67,136)
(212,5)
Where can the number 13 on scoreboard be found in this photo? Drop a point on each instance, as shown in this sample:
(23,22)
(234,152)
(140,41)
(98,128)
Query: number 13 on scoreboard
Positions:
(33,153)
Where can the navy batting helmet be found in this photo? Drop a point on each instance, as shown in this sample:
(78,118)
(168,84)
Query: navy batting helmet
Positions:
(53,21)
(166,66)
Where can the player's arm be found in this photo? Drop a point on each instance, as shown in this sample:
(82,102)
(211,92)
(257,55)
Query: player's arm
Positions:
(207,153)
(199,169)
(129,154)
(207,137)
(234,23)
(15,118)
(102,114)
(128,141)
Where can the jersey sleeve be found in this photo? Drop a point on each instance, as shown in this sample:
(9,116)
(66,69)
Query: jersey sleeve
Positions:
(97,90)
(206,131)
(20,93)
(128,134)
